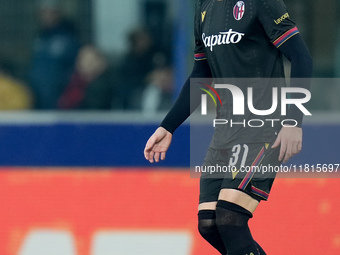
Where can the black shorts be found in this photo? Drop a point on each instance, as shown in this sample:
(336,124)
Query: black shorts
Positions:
(250,168)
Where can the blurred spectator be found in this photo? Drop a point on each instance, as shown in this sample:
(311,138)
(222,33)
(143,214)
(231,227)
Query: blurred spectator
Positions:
(14,95)
(90,84)
(142,58)
(158,94)
(54,53)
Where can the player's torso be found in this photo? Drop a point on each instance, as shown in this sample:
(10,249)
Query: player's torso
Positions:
(235,42)
(237,46)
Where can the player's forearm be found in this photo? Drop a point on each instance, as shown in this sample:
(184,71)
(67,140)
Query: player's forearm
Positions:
(301,71)
(188,100)
(297,53)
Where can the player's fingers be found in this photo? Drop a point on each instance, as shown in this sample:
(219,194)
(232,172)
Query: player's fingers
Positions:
(156,156)
(276,143)
(151,154)
(150,143)
(282,151)
(299,147)
(163,155)
(288,152)
(296,147)
(148,147)
(146,154)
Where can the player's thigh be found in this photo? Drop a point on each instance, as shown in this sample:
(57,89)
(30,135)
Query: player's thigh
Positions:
(209,191)
(210,182)
(247,185)
(213,178)
(240,198)
(207,206)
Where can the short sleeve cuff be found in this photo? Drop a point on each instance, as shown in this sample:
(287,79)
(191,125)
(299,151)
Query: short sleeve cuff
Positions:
(283,38)
(200,56)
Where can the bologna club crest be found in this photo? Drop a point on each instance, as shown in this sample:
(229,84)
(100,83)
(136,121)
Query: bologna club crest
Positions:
(239,10)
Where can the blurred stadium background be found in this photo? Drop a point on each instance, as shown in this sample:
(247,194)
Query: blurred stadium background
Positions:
(73,178)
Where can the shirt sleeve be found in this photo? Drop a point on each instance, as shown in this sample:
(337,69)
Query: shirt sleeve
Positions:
(275,19)
(199,46)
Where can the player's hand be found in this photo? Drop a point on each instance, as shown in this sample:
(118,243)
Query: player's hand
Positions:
(157,145)
(290,139)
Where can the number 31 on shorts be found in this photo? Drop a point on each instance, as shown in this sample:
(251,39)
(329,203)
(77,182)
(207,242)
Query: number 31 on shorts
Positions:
(239,152)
